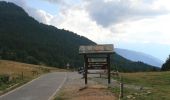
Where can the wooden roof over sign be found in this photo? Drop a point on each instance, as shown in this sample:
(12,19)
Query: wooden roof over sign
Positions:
(94,49)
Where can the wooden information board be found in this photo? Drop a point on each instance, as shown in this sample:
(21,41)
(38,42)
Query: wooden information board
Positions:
(97,57)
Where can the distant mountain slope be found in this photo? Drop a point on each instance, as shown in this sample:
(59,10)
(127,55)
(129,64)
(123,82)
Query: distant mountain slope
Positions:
(138,56)
(26,40)
(124,65)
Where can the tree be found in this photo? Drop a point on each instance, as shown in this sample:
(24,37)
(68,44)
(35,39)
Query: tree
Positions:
(166,65)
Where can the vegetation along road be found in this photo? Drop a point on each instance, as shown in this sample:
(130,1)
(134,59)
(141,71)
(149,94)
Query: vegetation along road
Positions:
(42,88)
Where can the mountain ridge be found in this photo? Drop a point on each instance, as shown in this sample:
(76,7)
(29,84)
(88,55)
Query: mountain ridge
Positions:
(139,56)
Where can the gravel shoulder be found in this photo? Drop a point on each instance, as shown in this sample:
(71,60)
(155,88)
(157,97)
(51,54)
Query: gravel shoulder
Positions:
(74,89)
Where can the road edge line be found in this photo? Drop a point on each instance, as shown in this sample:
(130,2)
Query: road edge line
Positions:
(53,95)
(21,86)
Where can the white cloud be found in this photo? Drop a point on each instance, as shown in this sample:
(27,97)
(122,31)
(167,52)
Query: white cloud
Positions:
(161,4)
(154,30)
(56,1)
(38,14)
(76,19)
(41,15)
(118,11)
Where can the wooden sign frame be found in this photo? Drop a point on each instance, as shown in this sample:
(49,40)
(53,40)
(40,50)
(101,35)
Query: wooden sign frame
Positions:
(96,51)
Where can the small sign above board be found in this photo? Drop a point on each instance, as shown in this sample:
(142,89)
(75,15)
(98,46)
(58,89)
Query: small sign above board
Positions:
(96,49)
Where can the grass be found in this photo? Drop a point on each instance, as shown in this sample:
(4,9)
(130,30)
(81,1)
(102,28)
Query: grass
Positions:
(60,98)
(62,95)
(20,73)
(156,85)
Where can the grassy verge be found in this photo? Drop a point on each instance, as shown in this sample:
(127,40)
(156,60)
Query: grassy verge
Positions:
(5,87)
(19,74)
(154,86)
(61,96)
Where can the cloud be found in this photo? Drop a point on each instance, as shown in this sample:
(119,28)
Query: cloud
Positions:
(62,2)
(108,12)
(38,14)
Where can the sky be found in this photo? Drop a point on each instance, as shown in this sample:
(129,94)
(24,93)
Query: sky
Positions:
(139,25)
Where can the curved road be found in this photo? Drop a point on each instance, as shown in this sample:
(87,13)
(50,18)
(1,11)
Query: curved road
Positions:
(42,88)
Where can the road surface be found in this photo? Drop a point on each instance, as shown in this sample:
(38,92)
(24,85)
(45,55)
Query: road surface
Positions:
(42,88)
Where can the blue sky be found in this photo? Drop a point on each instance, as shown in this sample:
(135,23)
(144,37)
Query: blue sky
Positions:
(139,25)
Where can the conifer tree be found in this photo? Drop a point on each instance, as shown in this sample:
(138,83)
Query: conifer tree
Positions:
(166,65)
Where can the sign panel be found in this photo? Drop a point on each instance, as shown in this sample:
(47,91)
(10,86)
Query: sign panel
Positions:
(96,49)
(97,59)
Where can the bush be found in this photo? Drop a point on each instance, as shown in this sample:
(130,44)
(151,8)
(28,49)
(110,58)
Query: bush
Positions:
(4,78)
(32,60)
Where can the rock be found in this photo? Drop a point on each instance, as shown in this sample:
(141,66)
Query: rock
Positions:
(149,92)
(130,96)
(136,94)
(1,92)
(141,88)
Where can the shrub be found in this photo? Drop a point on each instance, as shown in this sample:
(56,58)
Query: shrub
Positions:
(4,78)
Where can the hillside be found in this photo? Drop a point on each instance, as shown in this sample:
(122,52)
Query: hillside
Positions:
(16,68)
(139,56)
(24,39)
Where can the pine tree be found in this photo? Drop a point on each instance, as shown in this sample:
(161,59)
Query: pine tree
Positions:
(166,65)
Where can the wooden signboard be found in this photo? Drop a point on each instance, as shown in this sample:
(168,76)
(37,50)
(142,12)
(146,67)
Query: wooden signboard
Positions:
(97,57)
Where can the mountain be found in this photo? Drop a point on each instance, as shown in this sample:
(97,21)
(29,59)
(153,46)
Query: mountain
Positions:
(124,65)
(139,56)
(24,39)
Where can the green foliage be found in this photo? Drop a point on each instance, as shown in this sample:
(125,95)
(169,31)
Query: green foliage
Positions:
(6,82)
(4,78)
(166,65)
(32,60)
(59,98)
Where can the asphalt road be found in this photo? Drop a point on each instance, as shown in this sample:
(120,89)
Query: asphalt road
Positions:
(42,88)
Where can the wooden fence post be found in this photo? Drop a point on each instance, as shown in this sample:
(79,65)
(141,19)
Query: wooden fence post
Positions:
(22,75)
(121,88)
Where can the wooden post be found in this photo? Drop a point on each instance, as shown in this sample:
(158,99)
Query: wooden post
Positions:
(86,66)
(108,67)
(22,75)
(121,88)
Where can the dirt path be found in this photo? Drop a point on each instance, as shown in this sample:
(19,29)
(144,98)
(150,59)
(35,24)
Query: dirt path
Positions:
(74,89)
